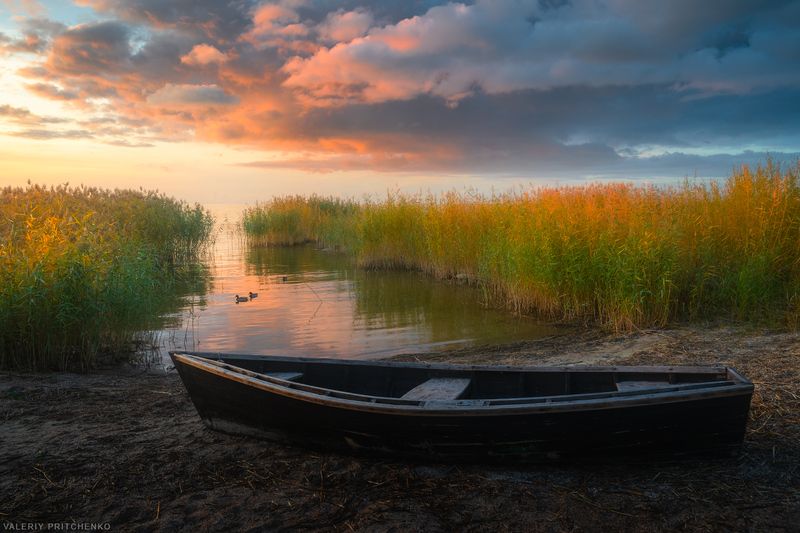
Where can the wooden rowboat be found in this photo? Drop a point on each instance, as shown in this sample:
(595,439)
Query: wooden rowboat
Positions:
(454,412)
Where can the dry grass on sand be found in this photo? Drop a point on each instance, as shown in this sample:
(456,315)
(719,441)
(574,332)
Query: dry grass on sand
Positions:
(127,447)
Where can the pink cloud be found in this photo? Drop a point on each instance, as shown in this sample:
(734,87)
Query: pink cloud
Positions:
(279,26)
(344,26)
(28,7)
(385,88)
(396,62)
(203,54)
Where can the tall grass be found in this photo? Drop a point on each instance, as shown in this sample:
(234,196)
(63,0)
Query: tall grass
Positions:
(624,256)
(83,269)
(295,220)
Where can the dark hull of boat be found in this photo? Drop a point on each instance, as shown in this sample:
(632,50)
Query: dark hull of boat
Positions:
(707,422)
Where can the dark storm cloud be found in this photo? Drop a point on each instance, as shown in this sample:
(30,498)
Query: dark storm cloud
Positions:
(502,87)
(617,116)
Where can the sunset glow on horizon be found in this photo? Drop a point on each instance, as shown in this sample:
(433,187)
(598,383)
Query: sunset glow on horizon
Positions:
(238,101)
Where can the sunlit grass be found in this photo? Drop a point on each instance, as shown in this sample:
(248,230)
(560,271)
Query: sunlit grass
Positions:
(83,269)
(296,219)
(617,254)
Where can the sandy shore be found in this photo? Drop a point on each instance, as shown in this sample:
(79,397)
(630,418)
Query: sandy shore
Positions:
(125,449)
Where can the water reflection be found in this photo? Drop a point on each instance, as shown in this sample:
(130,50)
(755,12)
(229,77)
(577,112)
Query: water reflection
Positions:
(317,303)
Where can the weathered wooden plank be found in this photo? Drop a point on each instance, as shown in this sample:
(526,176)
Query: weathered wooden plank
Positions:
(288,376)
(439,389)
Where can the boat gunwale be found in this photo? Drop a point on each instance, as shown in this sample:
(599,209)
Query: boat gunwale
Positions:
(735,385)
(482,402)
(700,369)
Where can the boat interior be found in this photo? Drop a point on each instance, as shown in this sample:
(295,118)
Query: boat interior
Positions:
(423,382)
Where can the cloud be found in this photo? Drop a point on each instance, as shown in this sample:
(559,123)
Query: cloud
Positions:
(344,26)
(107,130)
(102,47)
(203,54)
(36,35)
(191,94)
(128,144)
(278,26)
(678,164)
(28,7)
(217,19)
(498,159)
(21,115)
(497,87)
(103,129)
(15,113)
(52,91)
(42,134)
(608,166)
(500,47)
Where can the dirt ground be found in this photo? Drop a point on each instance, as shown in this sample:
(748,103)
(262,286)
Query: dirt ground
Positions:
(123,449)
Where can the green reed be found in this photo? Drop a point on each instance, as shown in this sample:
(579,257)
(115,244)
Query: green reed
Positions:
(295,220)
(620,255)
(85,269)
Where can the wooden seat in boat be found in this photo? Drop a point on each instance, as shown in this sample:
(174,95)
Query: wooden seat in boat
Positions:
(439,389)
(625,386)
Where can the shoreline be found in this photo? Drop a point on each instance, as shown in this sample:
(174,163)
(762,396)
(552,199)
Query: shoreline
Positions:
(125,447)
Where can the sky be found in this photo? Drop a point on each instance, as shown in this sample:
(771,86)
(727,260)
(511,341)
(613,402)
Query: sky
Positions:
(237,101)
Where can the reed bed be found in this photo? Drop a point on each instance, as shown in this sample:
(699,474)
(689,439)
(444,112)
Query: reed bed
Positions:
(291,220)
(82,270)
(620,255)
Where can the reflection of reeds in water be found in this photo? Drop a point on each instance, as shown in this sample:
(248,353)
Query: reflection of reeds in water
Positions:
(448,311)
(85,271)
(300,262)
(404,300)
(383,300)
(622,255)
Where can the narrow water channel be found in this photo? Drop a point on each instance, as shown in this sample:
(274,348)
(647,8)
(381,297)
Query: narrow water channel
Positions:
(317,303)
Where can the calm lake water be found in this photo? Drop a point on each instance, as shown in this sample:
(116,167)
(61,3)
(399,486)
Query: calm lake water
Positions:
(319,304)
